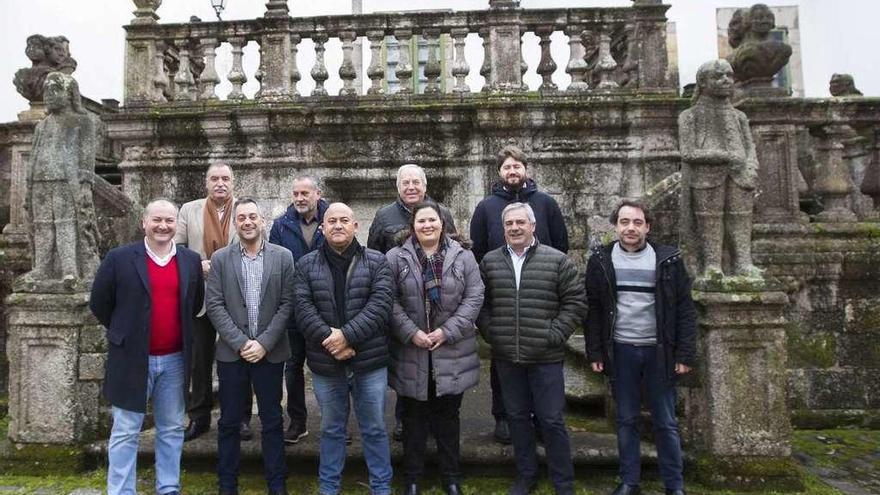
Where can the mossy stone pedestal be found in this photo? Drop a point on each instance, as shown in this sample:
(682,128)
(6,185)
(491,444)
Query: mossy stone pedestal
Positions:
(737,416)
(56,362)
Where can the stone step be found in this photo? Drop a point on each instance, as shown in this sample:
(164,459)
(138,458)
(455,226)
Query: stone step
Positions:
(582,386)
(591,445)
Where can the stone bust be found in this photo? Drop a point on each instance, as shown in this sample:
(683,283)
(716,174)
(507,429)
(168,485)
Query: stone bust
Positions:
(756,57)
(843,85)
(47,54)
(719,177)
(58,200)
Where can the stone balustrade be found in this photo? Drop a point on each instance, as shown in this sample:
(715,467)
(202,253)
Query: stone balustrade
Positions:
(610,50)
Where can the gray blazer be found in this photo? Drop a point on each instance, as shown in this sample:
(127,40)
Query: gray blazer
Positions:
(227,309)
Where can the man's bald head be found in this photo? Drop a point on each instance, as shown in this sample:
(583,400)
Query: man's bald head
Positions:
(159,204)
(339,226)
(160,224)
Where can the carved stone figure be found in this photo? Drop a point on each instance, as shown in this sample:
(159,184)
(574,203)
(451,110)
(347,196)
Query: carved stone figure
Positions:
(756,57)
(843,85)
(59,189)
(719,176)
(47,54)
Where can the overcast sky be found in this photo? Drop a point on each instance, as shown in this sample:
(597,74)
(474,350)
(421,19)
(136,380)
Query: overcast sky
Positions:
(836,36)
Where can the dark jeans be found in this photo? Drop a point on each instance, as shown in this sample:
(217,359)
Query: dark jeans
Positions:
(495,384)
(632,364)
(538,389)
(295,379)
(201,397)
(236,379)
(437,415)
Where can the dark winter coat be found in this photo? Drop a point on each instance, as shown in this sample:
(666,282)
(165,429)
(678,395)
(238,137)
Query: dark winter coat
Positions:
(487,232)
(456,363)
(676,317)
(368,308)
(121,301)
(286,231)
(393,218)
(530,325)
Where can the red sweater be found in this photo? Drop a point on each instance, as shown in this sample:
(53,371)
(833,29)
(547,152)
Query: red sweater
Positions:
(165,335)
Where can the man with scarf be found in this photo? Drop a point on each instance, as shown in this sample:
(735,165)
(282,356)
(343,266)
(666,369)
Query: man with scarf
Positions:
(343,308)
(487,233)
(204,226)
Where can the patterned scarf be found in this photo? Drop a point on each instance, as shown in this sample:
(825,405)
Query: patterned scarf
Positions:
(432,272)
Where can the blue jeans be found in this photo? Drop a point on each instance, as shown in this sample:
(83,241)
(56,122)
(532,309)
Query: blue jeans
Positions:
(538,389)
(631,365)
(165,379)
(236,379)
(368,395)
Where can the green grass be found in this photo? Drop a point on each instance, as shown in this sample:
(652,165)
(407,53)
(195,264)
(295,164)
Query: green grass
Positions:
(838,448)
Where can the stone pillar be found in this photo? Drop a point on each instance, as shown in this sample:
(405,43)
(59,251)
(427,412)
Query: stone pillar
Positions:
(738,417)
(649,17)
(504,46)
(140,55)
(833,181)
(776,146)
(56,361)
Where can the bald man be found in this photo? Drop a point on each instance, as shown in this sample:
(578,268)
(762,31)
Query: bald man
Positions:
(146,294)
(343,308)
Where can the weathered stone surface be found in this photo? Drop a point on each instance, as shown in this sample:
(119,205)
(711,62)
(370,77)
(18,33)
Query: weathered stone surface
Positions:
(46,405)
(756,57)
(843,85)
(47,54)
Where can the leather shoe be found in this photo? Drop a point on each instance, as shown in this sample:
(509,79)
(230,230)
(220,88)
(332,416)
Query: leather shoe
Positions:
(452,489)
(522,486)
(502,432)
(411,489)
(675,492)
(227,492)
(282,491)
(195,429)
(624,489)
(245,433)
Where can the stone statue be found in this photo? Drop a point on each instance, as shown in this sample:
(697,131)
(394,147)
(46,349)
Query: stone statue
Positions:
(59,199)
(719,176)
(843,85)
(47,54)
(756,57)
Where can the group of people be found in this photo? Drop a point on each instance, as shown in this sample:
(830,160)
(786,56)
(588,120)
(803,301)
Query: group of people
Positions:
(206,285)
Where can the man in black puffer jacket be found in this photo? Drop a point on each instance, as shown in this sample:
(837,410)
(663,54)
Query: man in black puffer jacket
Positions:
(641,331)
(344,298)
(533,303)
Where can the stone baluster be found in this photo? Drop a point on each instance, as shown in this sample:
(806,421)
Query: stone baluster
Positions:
(160,78)
(236,75)
(184,79)
(631,66)
(347,71)
(404,70)
(606,65)
(460,67)
(295,75)
(258,75)
(486,68)
(577,66)
(546,67)
(523,67)
(319,70)
(209,78)
(834,183)
(432,66)
(375,71)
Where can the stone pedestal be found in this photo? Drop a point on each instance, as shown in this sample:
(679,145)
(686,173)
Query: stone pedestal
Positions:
(56,361)
(737,417)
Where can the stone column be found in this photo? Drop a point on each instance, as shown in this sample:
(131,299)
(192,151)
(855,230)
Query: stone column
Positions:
(738,417)
(776,146)
(275,54)
(834,182)
(56,361)
(504,46)
(649,17)
(140,54)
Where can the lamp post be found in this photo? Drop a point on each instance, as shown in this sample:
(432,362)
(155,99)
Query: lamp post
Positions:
(219,6)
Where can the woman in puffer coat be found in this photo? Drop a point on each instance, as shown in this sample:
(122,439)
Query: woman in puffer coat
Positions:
(438,295)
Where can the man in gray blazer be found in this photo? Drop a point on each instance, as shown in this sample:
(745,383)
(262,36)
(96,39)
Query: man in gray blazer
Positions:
(250,301)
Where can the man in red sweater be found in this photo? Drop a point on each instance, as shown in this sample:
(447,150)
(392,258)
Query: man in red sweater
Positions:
(146,294)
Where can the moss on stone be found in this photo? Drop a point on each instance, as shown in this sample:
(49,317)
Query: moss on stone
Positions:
(762,474)
(56,460)
(810,351)
(835,448)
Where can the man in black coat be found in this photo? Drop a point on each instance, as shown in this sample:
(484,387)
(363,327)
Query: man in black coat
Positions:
(641,328)
(146,294)
(344,297)
(487,233)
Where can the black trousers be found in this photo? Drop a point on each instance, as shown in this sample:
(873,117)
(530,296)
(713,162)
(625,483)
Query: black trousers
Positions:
(437,415)
(497,400)
(201,397)
(295,379)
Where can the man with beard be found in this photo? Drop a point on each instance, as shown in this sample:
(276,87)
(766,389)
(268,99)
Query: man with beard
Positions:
(299,230)
(204,226)
(487,233)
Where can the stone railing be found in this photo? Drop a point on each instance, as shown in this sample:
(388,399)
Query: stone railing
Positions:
(610,49)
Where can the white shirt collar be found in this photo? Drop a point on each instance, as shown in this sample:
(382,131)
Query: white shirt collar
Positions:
(161,260)
(525,251)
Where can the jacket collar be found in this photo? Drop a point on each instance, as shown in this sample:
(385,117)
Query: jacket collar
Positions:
(292,215)
(529,188)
